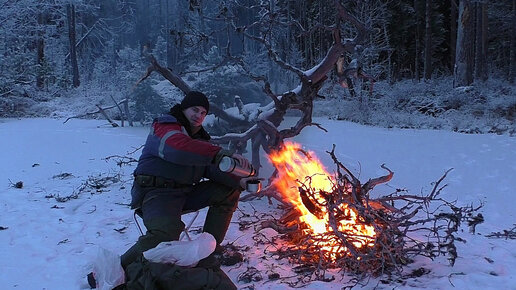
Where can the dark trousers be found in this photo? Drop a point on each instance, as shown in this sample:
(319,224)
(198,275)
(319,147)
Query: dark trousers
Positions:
(162,209)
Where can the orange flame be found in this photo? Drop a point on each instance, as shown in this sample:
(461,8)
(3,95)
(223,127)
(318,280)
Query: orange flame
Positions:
(295,167)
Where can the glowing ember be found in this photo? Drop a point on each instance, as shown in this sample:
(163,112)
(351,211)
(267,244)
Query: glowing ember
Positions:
(296,167)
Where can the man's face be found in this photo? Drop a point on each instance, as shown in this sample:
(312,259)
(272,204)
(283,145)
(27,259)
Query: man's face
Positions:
(195,115)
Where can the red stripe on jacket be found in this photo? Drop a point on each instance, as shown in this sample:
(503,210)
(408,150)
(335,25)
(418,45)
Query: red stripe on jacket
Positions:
(183,142)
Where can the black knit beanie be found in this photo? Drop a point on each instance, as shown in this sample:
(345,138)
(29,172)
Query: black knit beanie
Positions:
(194,98)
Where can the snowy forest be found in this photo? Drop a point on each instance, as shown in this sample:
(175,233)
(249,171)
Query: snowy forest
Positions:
(425,88)
(429,64)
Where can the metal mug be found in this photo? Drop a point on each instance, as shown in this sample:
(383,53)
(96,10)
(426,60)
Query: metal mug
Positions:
(253,186)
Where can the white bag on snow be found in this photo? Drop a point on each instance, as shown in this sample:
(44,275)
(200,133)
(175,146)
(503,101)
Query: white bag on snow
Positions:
(107,270)
(109,273)
(183,253)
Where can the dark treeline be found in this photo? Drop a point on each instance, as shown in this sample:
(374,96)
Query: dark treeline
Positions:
(51,45)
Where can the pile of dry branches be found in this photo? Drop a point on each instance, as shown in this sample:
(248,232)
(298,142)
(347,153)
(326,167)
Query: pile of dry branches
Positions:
(405,226)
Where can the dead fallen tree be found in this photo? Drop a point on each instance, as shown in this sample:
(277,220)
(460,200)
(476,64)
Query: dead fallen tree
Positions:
(263,132)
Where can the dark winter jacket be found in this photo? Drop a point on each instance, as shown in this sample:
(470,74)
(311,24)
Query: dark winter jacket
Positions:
(172,152)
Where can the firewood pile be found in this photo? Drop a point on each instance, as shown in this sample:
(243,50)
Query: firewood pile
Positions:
(365,236)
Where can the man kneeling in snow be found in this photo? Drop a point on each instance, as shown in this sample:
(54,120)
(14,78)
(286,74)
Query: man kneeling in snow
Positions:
(167,183)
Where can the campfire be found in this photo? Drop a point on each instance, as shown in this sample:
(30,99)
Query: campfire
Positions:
(332,222)
(303,180)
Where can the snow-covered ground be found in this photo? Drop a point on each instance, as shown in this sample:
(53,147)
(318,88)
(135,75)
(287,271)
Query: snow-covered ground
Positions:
(46,244)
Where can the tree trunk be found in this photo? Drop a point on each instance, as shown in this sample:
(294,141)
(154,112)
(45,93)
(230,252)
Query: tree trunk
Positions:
(428,40)
(71,36)
(143,24)
(171,60)
(480,42)
(416,57)
(40,44)
(512,74)
(453,32)
(390,76)
(181,28)
(485,24)
(463,70)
